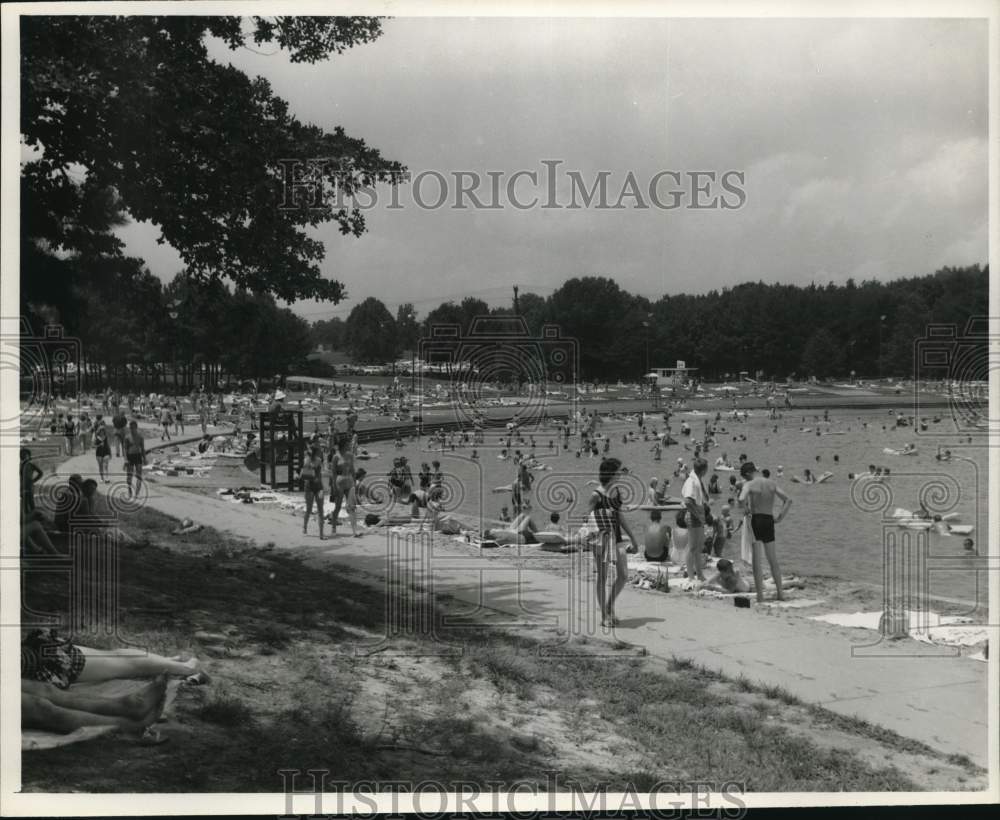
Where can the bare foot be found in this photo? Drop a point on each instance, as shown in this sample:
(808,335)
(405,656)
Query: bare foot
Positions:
(138,724)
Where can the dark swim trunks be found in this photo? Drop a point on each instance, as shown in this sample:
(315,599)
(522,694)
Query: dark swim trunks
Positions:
(762,526)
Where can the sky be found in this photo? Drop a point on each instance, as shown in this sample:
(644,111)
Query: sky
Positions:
(863,145)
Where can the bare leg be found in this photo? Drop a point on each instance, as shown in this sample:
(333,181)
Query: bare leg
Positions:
(621,578)
(696,540)
(41,713)
(601,581)
(134,705)
(772,560)
(352,510)
(338,501)
(319,513)
(309,506)
(110,664)
(36,537)
(758,570)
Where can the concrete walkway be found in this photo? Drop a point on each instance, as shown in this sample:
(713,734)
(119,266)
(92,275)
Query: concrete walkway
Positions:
(919,691)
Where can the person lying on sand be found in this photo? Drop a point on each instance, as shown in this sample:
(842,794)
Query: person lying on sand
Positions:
(48,708)
(520,531)
(726,578)
(50,665)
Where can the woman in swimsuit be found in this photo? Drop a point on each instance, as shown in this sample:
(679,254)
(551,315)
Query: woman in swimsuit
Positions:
(342,484)
(312,483)
(605,504)
(103,452)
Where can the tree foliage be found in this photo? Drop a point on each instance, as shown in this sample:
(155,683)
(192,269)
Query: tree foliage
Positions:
(130,115)
(370,333)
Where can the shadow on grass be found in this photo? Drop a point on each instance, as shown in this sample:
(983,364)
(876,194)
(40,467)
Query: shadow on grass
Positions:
(686,719)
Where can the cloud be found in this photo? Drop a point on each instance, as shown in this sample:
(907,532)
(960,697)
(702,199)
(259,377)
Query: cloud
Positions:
(863,142)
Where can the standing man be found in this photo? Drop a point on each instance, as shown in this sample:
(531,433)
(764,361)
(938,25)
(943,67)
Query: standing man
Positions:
(119,423)
(696,504)
(758,496)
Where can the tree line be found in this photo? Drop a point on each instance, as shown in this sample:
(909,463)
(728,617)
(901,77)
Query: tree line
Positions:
(776,331)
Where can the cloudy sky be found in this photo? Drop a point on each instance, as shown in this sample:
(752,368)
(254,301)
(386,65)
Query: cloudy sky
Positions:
(863,143)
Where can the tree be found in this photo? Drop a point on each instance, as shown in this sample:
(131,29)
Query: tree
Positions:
(371,332)
(164,133)
(822,355)
(407,327)
(909,324)
(592,309)
(447,313)
(329,332)
(533,311)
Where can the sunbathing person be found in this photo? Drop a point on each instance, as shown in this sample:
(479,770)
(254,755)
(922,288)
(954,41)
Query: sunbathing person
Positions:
(48,708)
(33,534)
(520,531)
(50,665)
(726,578)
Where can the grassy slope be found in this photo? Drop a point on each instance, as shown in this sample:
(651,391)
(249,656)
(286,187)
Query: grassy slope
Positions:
(302,681)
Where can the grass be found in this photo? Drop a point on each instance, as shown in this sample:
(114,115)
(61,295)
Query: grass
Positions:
(509,707)
(225,710)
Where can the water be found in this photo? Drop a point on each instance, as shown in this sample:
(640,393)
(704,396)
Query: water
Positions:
(830,531)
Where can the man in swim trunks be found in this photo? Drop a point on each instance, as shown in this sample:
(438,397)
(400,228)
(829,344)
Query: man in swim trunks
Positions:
(758,496)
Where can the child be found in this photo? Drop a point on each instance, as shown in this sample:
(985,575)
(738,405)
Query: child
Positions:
(505,515)
(726,579)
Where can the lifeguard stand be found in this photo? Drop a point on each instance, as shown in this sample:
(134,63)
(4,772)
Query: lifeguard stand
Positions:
(671,378)
(282,448)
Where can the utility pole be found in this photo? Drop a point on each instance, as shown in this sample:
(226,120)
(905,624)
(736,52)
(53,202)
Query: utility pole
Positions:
(517,308)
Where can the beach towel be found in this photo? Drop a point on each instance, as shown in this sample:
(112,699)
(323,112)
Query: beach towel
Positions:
(927,627)
(746,542)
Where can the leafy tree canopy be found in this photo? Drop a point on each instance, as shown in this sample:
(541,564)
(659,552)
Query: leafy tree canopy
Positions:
(131,115)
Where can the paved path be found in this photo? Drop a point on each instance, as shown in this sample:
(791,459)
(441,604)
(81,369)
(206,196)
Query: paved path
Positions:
(938,699)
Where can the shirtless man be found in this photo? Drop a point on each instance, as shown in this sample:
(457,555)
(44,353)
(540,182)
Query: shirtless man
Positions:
(758,496)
